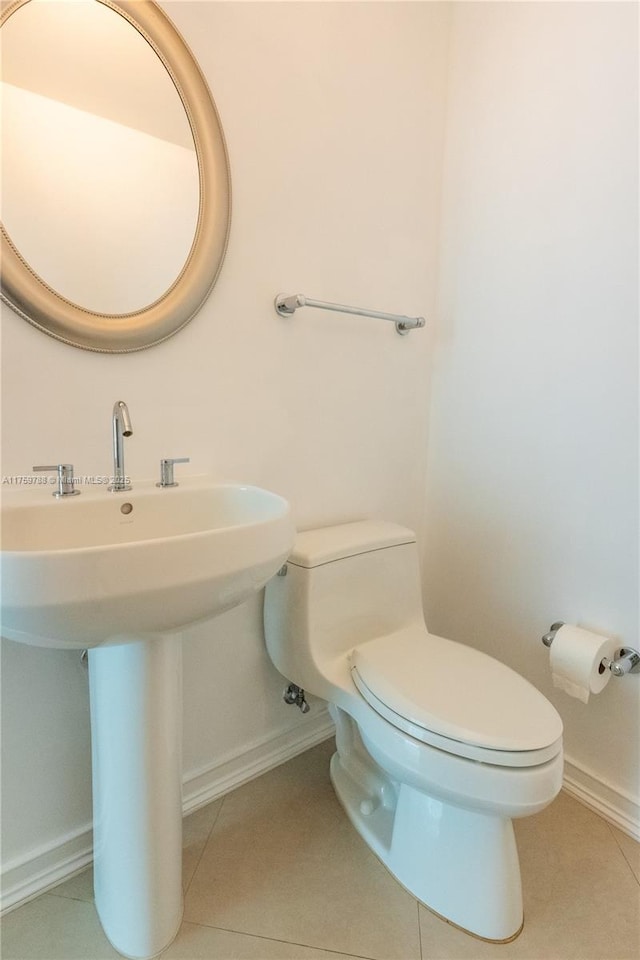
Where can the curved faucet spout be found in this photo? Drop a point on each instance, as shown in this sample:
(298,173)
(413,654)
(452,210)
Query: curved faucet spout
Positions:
(121,427)
(121,411)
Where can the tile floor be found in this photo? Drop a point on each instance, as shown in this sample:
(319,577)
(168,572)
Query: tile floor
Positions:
(274,871)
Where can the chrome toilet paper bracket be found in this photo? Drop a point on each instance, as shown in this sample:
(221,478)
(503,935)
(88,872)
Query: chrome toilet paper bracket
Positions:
(626,660)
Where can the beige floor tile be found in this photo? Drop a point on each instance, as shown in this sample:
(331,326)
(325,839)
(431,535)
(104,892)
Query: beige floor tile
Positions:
(195,942)
(195,833)
(55,928)
(284,862)
(581,901)
(79,887)
(630,849)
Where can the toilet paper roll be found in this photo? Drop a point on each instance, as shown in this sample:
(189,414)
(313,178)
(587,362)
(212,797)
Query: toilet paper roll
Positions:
(576,661)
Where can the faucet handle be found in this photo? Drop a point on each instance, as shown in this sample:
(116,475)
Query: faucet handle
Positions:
(166,470)
(65,486)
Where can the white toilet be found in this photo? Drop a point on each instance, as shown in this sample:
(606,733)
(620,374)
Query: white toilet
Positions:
(438,745)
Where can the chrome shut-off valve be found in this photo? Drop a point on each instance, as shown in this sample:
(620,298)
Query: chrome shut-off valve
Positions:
(295,694)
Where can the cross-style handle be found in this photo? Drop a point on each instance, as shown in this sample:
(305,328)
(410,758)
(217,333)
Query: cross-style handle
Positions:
(166,470)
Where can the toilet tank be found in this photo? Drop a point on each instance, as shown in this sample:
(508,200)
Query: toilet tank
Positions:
(342,585)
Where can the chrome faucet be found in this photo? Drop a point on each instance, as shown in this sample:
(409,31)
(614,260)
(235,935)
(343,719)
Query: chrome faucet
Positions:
(121,424)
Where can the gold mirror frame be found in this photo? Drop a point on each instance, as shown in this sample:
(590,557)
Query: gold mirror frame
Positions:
(23,290)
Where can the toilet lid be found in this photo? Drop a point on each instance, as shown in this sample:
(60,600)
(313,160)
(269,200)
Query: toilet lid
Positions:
(455,691)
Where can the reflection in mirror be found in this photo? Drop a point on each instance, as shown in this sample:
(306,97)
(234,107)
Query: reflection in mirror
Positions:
(107,222)
(74,141)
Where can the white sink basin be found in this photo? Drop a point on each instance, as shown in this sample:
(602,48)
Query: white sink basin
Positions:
(104,567)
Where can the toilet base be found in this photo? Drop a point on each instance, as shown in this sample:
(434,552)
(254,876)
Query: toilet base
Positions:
(461,864)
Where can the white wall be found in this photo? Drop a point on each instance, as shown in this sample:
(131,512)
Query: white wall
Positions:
(533,469)
(334,119)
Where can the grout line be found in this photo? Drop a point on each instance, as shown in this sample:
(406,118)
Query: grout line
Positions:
(66,896)
(204,847)
(291,943)
(58,896)
(55,891)
(623,852)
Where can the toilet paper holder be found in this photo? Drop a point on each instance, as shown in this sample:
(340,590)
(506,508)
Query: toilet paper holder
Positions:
(626,660)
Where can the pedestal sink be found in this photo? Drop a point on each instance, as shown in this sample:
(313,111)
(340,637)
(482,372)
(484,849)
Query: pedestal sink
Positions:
(121,574)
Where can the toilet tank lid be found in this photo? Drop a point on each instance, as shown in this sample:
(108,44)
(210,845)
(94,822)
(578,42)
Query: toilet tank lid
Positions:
(315,547)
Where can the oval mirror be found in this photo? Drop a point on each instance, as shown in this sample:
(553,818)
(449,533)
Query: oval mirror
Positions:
(116,188)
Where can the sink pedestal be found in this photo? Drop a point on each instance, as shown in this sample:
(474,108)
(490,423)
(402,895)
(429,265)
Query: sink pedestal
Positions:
(136,737)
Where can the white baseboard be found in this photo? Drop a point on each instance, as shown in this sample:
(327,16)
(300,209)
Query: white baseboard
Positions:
(611,803)
(26,877)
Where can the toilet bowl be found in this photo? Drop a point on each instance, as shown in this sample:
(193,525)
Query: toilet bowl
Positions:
(438,746)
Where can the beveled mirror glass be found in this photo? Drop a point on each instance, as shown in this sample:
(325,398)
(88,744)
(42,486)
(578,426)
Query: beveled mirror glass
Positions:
(116,185)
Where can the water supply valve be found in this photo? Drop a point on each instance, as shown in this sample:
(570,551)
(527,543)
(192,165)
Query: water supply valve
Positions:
(295,694)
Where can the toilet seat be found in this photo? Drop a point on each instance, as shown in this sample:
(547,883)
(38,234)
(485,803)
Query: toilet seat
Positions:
(456,698)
